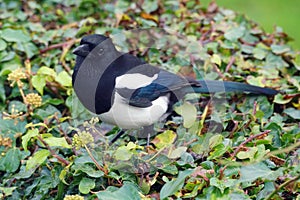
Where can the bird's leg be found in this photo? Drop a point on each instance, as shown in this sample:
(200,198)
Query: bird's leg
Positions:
(147,132)
(119,134)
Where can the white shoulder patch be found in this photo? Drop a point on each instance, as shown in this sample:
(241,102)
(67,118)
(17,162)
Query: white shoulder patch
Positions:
(134,81)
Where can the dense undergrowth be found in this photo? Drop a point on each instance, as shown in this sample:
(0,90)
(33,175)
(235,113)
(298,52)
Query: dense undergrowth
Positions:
(233,146)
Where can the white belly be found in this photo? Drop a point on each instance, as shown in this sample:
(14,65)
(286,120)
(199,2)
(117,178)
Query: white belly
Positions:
(130,117)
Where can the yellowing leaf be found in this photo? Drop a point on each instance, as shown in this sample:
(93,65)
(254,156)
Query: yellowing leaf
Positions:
(257,81)
(164,139)
(216,59)
(247,154)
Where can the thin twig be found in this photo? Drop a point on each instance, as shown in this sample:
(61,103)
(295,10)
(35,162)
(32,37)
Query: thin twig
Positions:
(232,60)
(282,186)
(236,126)
(218,71)
(95,161)
(65,162)
(59,45)
(249,140)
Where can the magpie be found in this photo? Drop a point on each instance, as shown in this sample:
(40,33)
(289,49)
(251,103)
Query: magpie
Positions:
(125,91)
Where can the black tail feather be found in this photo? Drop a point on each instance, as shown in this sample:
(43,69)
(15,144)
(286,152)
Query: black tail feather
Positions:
(212,86)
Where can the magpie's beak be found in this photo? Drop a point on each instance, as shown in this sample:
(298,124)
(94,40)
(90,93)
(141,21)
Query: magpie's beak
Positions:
(82,50)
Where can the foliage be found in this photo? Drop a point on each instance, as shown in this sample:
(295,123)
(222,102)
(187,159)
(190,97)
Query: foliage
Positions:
(246,147)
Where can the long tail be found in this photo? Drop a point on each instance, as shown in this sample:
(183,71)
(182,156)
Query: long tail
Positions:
(212,86)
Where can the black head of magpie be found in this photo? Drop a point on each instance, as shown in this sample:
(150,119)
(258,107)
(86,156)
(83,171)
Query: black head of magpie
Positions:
(127,92)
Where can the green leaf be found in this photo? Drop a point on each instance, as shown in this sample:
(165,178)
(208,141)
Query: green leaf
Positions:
(218,151)
(39,82)
(259,53)
(30,134)
(188,112)
(30,49)
(3,45)
(64,78)
(292,112)
(235,33)
(88,169)
(12,35)
(176,153)
(122,153)
(280,49)
(2,90)
(46,71)
(128,191)
(57,142)
(86,184)
(222,184)
(150,6)
(11,161)
(37,159)
(174,185)
(215,140)
(250,173)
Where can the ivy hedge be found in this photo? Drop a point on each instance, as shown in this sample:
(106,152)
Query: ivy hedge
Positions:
(225,146)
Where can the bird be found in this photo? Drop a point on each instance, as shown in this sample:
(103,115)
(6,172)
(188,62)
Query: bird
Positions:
(125,91)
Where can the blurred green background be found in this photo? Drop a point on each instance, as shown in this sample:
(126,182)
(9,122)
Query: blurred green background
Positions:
(268,13)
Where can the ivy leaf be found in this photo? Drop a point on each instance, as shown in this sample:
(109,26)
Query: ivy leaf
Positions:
(7,190)
(222,184)
(123,153)
(128,191)
(12,35)
(164,139)
(250,173)
(37,159)
(280,99)
(174,185)
(39,82)
(188,112)
(249,154)
(64,79)
(292,112)
(150,6)
(88,169)
(86,184)
(11,161)
(215,140)
(280,49)
(46,71)
(30,134)
(57,142)
(216,59)
(235,33)
(259,53)
(3,45)
(257,81)
(176,153)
